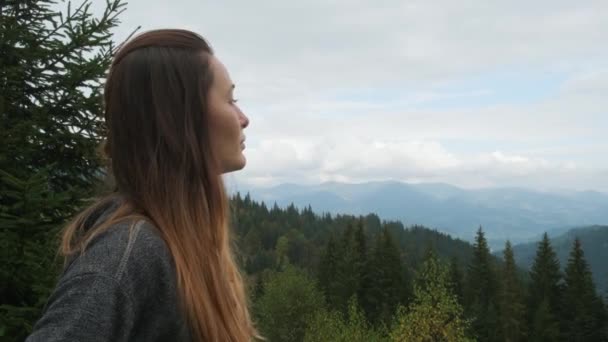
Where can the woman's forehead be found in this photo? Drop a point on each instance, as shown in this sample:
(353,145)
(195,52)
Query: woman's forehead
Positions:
(220,72)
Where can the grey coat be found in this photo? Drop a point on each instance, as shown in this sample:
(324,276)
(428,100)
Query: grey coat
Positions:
(122,289)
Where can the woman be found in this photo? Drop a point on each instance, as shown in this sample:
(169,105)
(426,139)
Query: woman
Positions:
(152,261)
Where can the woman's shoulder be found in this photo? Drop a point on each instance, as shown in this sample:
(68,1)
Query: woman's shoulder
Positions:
(123,287)
(131,251)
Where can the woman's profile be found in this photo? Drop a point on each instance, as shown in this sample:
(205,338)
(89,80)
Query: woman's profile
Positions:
(152,261)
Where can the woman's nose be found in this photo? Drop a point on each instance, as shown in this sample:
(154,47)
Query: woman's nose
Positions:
(243,119)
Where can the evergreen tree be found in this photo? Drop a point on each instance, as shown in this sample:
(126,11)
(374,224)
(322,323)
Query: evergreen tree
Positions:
(580,305)
(281,249)
(435,314)
(51,70)
(289,300)
(361,241)
(544,295)
(29,244)
(336,327)
(481,291)
(363,260)
(388,285)
(328,266)
(350,268)
(512,308)
(341,268)
(456,279)
(601,313)
(544,324)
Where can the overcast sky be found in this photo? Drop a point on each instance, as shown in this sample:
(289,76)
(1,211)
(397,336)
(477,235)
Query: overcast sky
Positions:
(471,93)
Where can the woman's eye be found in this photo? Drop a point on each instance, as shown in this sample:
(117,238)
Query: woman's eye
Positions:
(234,100)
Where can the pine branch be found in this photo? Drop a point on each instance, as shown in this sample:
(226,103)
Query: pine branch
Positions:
(107,19)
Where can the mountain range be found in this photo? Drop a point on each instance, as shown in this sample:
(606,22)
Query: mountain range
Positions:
(518,214)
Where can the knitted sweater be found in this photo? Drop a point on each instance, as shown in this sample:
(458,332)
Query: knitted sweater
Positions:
(123,288)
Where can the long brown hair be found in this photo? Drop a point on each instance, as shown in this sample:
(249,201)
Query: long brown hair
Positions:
(161,159)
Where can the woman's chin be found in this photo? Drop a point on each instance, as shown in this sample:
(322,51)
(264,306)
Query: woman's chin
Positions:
(236,164)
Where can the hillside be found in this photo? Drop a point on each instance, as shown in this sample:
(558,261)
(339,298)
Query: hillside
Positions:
(505,213)
(258,229)
(594,240)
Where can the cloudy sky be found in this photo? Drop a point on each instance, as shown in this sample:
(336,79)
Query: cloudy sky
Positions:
(471,93)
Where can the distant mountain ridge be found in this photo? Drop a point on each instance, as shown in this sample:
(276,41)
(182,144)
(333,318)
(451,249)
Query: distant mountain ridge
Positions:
(594,240)
(505,213)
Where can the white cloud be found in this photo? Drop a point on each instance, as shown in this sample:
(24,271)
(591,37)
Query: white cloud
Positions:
(411,161)
(344,90)
(347,42)
(586,82)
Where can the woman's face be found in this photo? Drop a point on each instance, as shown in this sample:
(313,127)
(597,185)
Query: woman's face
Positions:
(226,121)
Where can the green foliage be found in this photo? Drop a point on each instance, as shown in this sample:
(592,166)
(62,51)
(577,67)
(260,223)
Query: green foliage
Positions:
(481,296)
(581,319)
(328,266)
(376,278)
(290,298)
(415,240)
(593,240)
(456,279)
(386,285)
(257,230)
(281,252)
(332,326)
(545,294)
(28,238)
(330,239)
(545,325)
(435,314)
(52,65)
(511,300)
(349,269)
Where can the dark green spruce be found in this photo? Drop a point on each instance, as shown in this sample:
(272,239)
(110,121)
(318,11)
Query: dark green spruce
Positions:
(511,300)
(481,293)
(583,311)
(52,67)
(544,295)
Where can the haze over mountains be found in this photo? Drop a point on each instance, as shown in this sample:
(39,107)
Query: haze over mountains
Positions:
(594,240)
(520,215)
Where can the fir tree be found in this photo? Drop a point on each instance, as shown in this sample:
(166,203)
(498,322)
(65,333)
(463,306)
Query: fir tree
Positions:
(388,285)
(350,267)
(337,327)
(328,265)
(481,291)
(581,320)
(281,250)
(601,313)
(435,314)
(29,244)
(363,257)
(361,241)
(512,308)
(289,300)
(544,295)
(456,279)
(544,323)
(52,66)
